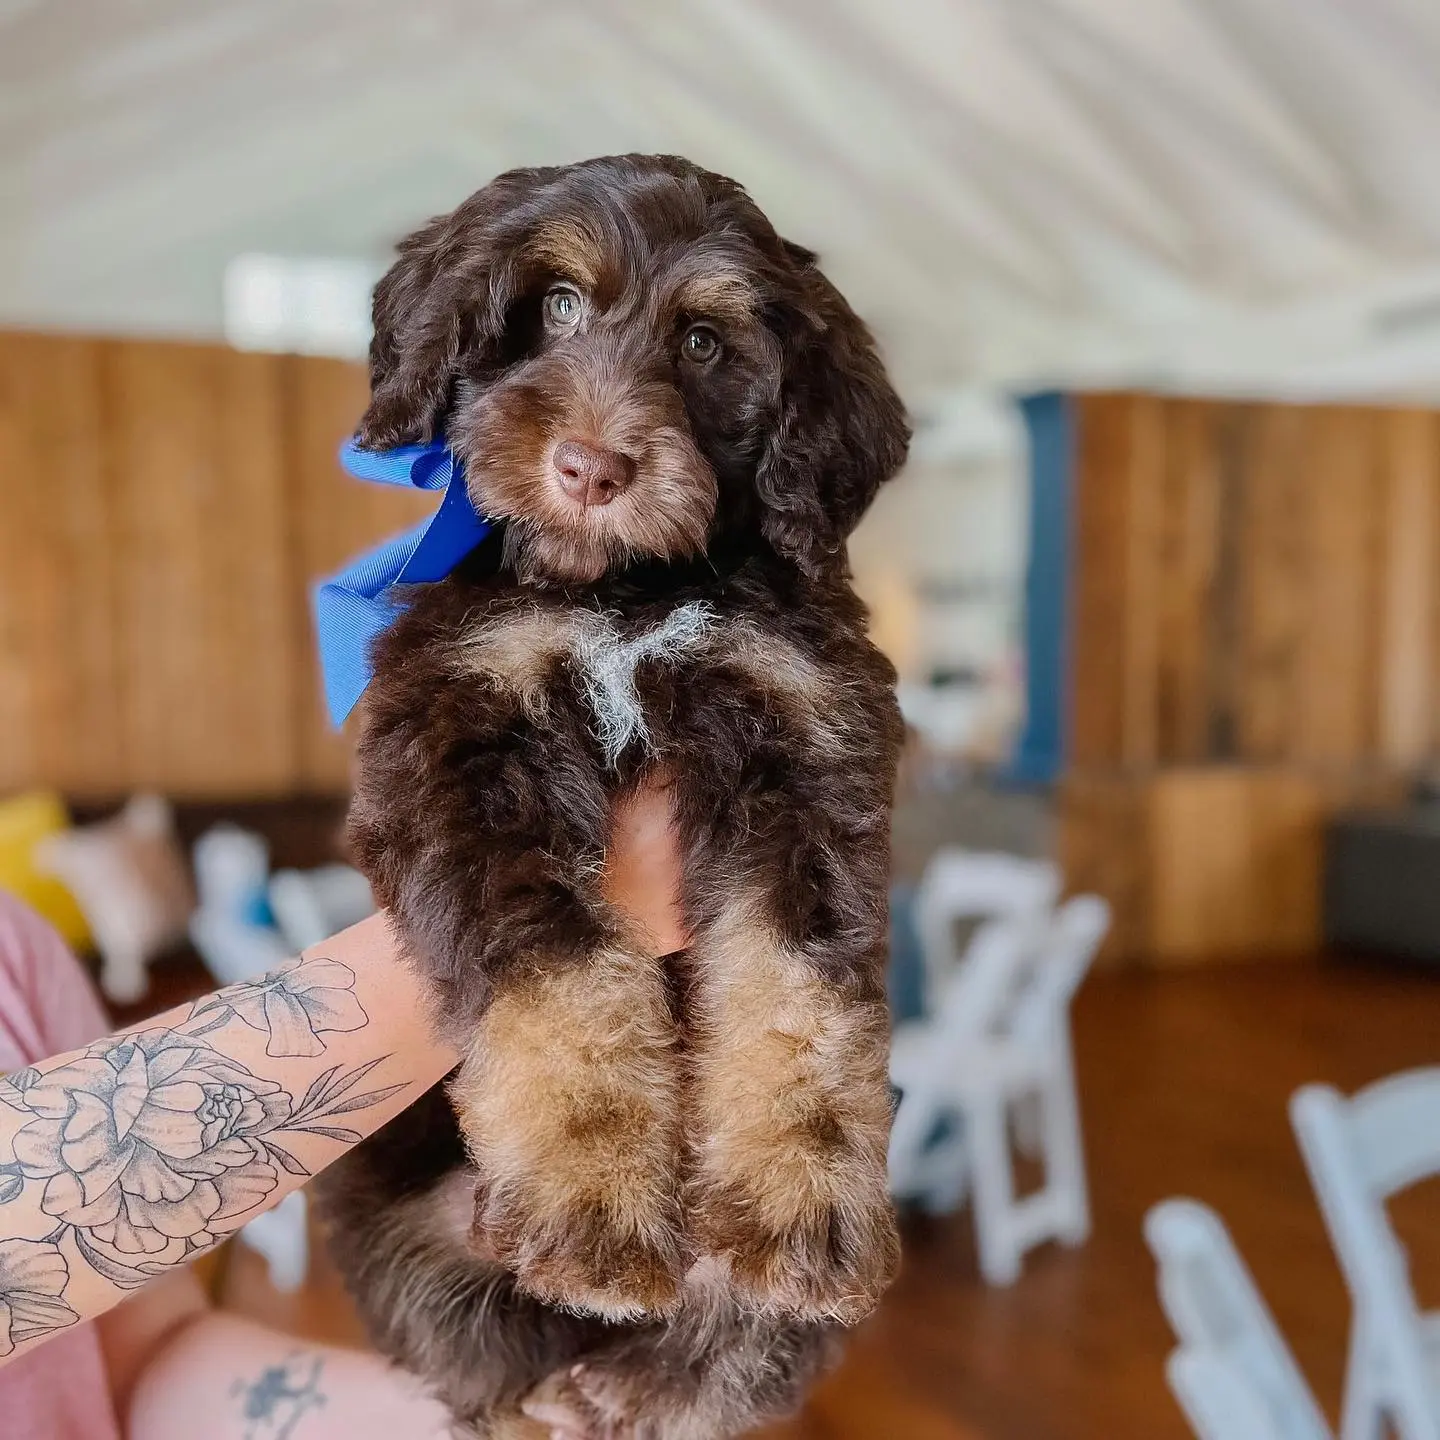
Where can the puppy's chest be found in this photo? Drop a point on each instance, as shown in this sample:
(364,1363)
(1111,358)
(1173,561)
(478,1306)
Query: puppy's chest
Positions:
(604,656)
(614,662)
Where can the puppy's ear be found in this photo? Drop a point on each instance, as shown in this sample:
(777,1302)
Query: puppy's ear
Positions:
(442,301)
(841,430)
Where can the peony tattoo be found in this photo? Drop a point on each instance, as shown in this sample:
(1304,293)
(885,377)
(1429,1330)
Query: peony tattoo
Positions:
(147,1143)
(153,1146)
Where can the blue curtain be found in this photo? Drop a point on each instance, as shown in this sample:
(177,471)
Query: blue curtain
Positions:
(1050,425)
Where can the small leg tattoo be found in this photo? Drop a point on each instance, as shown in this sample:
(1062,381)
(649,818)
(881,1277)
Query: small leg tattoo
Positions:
(273,1404)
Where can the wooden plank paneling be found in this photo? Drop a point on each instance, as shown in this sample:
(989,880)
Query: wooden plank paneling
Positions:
(1409,499)
(1199,863)
(335,517)
(1190,517)
(1285,816)
(164,509)
(1104,850)
(1253,584)
(57,660)
(1336,687)
(1102,527)
(1236,859)
(207,656)
(1200,851)
(1271,581)
(1144,582)
(19,495)
(1257,647)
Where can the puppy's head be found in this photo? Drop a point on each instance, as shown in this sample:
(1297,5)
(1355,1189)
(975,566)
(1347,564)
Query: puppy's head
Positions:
(632,363)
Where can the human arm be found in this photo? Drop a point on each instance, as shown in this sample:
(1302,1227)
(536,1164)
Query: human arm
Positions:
(126,1159)
(120,1162)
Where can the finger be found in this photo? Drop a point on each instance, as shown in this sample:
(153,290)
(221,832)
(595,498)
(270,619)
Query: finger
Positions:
(642,866)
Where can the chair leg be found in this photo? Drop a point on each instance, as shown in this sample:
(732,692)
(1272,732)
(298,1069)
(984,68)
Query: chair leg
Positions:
(1064,1148)
(994,1187)
(947,1172)
(1028,1121)
(913,1125)
(1362,1413)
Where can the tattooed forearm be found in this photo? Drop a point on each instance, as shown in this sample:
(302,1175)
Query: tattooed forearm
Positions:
(152,1146)
(278,1399)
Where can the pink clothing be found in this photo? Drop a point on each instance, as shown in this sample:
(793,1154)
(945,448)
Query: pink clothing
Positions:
(58,1391)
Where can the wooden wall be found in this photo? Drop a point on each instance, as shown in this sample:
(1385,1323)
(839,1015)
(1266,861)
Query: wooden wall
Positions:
(163,511)
(1256,641)
(1256,617)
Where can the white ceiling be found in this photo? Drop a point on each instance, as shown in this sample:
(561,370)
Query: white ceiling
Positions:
(1216,193)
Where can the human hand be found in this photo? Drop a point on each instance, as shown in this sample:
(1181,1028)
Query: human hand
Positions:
(642,866)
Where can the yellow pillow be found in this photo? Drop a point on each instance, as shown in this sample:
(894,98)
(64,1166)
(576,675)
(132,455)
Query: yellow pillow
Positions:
(26,820)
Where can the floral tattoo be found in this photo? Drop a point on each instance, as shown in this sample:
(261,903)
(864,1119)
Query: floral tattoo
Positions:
(293,1004)
(154,1146)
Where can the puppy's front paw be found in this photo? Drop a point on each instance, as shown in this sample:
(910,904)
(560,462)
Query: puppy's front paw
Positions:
(806,1253)
(582,1256)
(569,1103)
(790,1107)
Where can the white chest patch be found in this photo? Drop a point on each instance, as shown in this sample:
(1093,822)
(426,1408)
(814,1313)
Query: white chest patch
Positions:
(607,664)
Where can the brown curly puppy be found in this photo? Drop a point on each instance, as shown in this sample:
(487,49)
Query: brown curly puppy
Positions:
(654,1191)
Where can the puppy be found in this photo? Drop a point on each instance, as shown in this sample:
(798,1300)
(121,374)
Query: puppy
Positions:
(653,1192)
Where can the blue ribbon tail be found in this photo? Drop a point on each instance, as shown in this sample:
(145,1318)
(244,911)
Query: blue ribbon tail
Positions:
(351,609)
(354,606)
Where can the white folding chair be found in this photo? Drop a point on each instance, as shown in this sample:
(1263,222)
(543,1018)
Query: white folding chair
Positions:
(929,1147)
(1232,1373)
(1001,1036)
(960,885)
(1360,1152)
(283,1238)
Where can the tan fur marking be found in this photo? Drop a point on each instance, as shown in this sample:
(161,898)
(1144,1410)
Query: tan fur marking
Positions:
(569,248)
(569,1102)
(518,651)
(795,681)
(720,295)
(793,1106)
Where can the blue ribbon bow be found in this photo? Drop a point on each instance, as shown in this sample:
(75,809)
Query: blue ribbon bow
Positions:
(355,605)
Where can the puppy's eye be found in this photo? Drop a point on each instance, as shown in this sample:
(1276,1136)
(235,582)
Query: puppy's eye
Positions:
(700,345)
(562,306)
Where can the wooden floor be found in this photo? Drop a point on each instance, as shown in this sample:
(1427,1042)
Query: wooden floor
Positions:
(1184,1079)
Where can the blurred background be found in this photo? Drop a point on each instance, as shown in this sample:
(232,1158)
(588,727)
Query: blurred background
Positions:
(1160,281)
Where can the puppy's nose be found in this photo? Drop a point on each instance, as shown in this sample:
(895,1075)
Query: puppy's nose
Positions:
(590,474)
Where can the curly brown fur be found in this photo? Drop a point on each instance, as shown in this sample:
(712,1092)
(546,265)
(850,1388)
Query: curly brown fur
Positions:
(673,1172)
